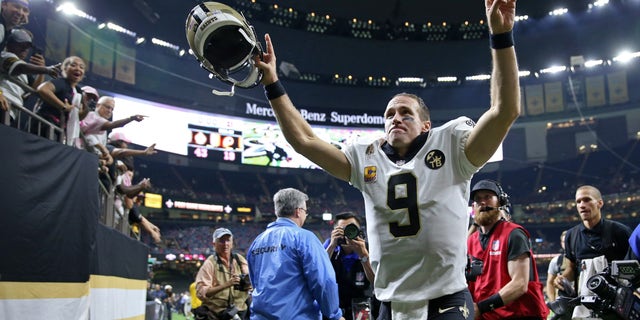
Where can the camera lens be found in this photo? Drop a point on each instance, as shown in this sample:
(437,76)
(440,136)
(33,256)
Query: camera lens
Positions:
(351,231)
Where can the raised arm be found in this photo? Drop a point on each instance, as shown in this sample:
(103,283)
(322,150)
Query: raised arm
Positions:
(295,128)
(494,124)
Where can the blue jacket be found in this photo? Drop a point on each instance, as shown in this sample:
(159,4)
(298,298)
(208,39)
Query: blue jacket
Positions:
(291,275)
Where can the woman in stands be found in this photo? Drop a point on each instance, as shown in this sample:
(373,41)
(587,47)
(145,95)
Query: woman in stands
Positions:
(61,102)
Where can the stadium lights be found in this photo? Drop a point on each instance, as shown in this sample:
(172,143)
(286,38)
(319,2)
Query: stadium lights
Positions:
(593,63)
(478,77)
(522,18)
(524,73)
(598,3)
(411,81)
(69,8)
(163,43)
(447,79)
(117,28)
(140,40)
(554,69)
(558,12)
(626,56)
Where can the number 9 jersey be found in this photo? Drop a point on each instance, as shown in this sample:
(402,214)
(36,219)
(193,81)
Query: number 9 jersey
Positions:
(417,213)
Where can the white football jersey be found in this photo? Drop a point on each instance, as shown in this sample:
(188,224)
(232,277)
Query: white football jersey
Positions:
(417,213)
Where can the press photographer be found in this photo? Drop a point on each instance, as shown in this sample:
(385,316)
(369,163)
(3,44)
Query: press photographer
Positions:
(349,256)
(222,282)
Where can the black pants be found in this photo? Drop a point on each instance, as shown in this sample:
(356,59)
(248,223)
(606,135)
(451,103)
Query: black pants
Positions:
(457,306)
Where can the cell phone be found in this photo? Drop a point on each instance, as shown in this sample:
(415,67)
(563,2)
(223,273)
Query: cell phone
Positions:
(37,50)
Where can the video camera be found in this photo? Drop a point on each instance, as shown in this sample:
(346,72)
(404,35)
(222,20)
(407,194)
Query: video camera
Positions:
(615,290)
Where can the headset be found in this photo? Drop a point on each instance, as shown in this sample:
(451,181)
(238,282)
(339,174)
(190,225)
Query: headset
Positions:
(224,43)
(503,197)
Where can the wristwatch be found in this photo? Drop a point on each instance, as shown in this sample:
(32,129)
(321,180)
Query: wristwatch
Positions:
(364,259)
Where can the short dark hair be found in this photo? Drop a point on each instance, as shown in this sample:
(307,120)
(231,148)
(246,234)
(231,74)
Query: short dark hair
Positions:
(423,111)
(347,215)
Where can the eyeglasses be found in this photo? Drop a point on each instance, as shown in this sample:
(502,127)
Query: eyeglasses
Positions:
(303,209)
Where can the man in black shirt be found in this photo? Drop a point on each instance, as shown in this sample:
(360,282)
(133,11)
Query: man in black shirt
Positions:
(594,237)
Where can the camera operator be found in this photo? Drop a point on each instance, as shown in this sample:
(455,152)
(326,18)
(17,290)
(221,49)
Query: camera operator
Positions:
(506,286)
(350,260)
(595,237)
(222,283)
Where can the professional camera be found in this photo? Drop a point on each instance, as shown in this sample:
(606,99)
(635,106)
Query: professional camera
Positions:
(567,299)
(473,269)
(230,313)
(244,284)
(614,289)
(351,231)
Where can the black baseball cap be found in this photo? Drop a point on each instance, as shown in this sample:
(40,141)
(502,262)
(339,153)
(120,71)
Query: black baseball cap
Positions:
(485,185)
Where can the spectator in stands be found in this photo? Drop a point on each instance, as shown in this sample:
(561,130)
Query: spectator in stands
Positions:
(13,14)
(350,261)
(15,78)
(589,242)
(415,180)
(289,269)
(118,145)
(506,286)
(222,279)
(96,124)
(137,220)
(60,102)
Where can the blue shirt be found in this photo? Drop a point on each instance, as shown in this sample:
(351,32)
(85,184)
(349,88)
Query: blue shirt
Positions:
(348,260)
(291,275)
(634,241)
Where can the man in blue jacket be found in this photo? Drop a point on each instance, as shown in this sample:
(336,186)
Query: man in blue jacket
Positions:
(289,268)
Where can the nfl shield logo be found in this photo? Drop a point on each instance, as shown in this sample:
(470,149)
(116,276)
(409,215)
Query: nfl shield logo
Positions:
(495,245)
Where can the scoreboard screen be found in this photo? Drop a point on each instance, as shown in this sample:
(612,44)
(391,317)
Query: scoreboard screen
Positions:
(219,144)
(222,138)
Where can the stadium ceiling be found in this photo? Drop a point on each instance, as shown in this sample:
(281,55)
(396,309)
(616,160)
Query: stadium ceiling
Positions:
(165,19)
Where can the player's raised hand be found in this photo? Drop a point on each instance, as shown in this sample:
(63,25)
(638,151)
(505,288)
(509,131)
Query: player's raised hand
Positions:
(500,15)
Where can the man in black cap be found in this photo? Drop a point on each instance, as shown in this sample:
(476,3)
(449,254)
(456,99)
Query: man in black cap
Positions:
(505,282)
(15,73)
(13,13)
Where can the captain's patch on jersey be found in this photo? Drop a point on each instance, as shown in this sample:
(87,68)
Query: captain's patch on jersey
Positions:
(470,123)
(370,174)
(434,159)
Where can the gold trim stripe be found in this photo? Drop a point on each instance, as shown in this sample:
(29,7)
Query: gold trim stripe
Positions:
(111,282)
(43,290)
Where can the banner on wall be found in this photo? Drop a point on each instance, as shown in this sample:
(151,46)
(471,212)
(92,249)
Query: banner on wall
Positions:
(595,91)
(618,89)
(553,97)
(125,64)
(57,40)
(80,45)
(535,99)
(102,58)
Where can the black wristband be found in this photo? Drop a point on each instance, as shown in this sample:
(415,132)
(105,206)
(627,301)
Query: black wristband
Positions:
(274,90)
(490,304)
(501,40)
